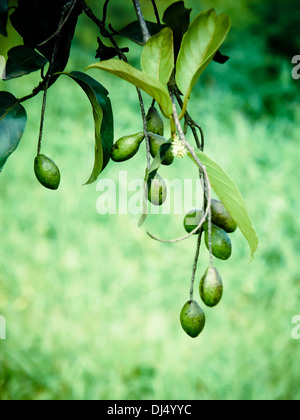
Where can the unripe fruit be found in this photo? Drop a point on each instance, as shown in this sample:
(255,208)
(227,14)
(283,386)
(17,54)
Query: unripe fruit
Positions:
(155,123)
(155,142)
(47,172)
(192,318)
(126,147)
(157,193)
(192,220)
(220,242)
(221,217)
(211,287)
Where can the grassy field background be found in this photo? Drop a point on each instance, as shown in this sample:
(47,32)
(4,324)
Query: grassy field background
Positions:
(92,304)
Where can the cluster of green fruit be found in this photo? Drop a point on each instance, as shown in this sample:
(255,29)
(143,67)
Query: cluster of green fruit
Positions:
(124,149)
(127,147)
(192,317)
(222,224)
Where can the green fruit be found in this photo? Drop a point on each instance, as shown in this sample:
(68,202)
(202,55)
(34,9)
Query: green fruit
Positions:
(157,192)
(155,123)
(192,318)
(220,241)
(211,287)
(126,147)
(192,220)
(221,217)
(155,142)
(47,172)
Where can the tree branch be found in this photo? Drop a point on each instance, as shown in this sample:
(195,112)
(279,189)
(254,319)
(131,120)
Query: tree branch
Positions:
(145,31)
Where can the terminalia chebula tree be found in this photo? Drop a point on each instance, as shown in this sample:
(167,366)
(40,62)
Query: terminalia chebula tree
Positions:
(175,50)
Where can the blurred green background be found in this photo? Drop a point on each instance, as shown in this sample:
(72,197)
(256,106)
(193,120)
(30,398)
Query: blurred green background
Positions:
(91,303)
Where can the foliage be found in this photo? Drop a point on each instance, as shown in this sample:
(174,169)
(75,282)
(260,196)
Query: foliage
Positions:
(172,61)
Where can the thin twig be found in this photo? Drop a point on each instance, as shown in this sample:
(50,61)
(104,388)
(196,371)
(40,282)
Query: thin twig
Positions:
(202,168)
(195,265)
(146,36)
(192,124)
(143,25)
(105,12)
(49,73)
(142,106)
(156,11)
(104,32)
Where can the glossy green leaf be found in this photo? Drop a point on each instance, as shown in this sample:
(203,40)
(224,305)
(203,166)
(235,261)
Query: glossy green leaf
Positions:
(143,81)
(13,120)
(134,33)
(150,174)
(3,16)
(158,56)
(199,45)
(23,60)
(103,118)
(232,199)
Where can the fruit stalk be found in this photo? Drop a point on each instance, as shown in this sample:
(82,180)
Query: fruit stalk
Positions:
(195,265)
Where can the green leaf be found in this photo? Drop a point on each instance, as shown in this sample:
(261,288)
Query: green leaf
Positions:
(158,56)
(232,199)
(150,174)
(3,16)
(23,60)
(103,118)
(134,33)
(13,120)
(147,83)
(177,17)
(199,46)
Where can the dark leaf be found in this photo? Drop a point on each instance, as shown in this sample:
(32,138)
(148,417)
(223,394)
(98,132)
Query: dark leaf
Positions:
(177,17)
(103,118)
(13,120)
(220,58)
(36,21)
(23,60)
(106,53)
(3,16)
(134,33)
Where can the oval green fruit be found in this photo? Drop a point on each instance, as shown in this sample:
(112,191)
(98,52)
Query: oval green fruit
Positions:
(221,217)
(192,318)
(47,172)
(155,142)
(126,147)
(220,241)
(157,192)
(155,123)
(211,287)
(192,220)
